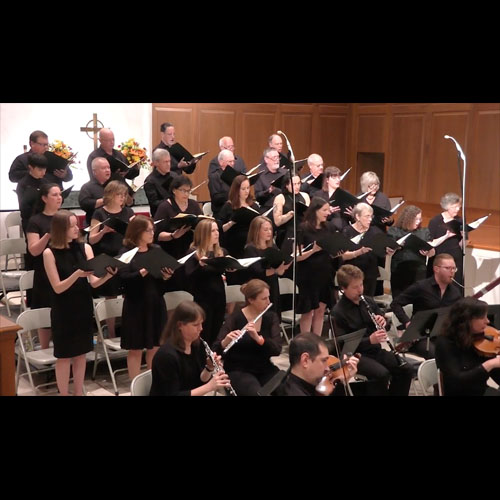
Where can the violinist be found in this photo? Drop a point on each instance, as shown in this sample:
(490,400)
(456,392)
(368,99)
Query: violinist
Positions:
(459,351)
(309,358)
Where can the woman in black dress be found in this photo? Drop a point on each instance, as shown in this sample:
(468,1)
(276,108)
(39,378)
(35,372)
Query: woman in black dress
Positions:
(370,183)
(144,310)
(330,185)
(181,362)
(72,311)
(465,372)
(453,244)
(176,243)
(38,237)
(260,237)
(284,213)
(364,258)
(104,239)
(235,233)
(206,281)
(248,362)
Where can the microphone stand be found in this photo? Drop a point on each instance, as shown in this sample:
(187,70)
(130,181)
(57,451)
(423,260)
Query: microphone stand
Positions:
(461,178)
(294,246)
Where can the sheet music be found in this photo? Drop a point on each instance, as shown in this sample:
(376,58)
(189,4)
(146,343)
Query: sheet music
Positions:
(128,256)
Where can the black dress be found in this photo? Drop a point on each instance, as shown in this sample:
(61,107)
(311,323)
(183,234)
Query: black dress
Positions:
(285,231)
(247,363)
(314,275)
(110,244)
(144,310)
(208,289)
(72,311)
(39,224)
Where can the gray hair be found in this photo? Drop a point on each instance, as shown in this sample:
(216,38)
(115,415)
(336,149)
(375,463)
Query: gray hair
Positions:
(359,208)
(96,161)
(450,199)
(367,179)
(159,154)
(224,155)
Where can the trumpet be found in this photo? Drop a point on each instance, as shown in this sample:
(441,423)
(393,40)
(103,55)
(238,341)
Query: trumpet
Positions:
(400,360)
(245,330)
(217,366)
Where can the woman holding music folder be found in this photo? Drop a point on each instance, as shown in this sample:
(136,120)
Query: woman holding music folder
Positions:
(236,215)
(284,212)
(370,184)
(331,184)
(72,312)
(144,311)
(274,262)
(248,339)
(206,281)
(107,228)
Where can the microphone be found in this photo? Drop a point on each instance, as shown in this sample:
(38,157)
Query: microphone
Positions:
(459,149)
(288,146)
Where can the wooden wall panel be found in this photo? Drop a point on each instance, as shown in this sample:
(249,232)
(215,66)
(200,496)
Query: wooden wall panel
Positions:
(442,174)
(406,156)
(333,140)
(298,128)
(257,127)
(371,134)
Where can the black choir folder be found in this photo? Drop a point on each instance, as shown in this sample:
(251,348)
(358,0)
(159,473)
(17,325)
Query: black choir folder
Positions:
(181,220)
(414,243)
(100,263)
(274,257)
(55,162)
(156,259)
(456,225)
(229,174)
(117,224)
(336,242)
(244,215)
(344,199)
(379,243)
(117,165)
(179,152)
(228,262)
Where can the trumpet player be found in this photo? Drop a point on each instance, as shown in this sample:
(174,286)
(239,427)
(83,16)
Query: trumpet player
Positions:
(386,375)
(248,362)
(181,366)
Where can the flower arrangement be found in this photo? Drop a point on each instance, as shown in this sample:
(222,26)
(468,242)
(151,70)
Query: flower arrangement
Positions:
(59,148)
(134,153)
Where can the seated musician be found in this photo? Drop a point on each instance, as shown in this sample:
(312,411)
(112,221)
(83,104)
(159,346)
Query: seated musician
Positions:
(387,373)
(465,369)
(430,293)
(308,355)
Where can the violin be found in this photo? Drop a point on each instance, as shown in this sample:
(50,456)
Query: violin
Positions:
(488,343)
(336,372)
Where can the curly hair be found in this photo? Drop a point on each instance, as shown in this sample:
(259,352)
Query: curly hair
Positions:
(457,324)
(407,217)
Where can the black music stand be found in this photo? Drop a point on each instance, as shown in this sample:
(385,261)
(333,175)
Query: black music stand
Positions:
(350,342)
(494,315)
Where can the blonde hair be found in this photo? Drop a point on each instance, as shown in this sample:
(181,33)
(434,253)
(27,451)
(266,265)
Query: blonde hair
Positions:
(253,288)
(254,229)
(112,189)
(367,179)
(202,238)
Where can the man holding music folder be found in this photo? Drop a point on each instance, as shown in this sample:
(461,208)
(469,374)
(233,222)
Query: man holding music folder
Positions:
(436,292)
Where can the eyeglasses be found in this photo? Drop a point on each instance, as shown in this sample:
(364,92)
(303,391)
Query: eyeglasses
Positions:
(274,158)
(44,144)
(449,268)
(185,191)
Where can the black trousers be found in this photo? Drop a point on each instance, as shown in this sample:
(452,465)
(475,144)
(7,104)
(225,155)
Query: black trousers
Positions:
(248,384)
(385,376)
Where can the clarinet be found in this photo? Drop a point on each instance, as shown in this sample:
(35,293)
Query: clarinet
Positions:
(245,330)
(217,366)
(401,361)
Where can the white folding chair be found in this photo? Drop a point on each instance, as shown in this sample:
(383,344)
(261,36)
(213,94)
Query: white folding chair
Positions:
(427,376)
(285,288)
(233,294)
(141,385)
(207,209)
(173,299)
(29,350)
(25,283)
(10,279)
(14,229)
(385,276)
(103,310)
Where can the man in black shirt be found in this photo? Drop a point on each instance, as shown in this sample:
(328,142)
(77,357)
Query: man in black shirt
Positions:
(92,192)
(177,165)
(316,166)
(39,143)
(309,356)
(106,149)
(157,183)
(227,143)
(386,373)
(264,192)
(219,190)
(431,293)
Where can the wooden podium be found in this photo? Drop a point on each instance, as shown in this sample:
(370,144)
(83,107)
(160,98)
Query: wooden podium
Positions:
(8,336)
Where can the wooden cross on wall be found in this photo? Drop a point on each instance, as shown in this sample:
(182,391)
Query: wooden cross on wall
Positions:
(95,129)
